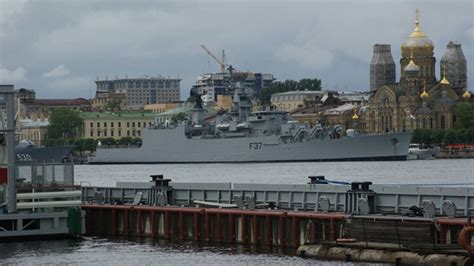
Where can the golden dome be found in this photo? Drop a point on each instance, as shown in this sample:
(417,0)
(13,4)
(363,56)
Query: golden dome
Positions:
(417,38)
(444,81)
(466,94)
(355,117)
(424,94)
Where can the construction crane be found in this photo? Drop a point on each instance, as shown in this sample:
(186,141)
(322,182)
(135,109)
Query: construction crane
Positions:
(220,62)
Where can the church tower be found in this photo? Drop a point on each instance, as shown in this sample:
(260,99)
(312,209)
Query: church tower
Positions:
(453,64)
(411,78)
(382,67)
(423,54)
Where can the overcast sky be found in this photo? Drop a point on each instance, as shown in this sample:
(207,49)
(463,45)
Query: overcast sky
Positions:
(59,47)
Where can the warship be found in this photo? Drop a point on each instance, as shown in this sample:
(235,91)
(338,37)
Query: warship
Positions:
(27,153)
(241,135)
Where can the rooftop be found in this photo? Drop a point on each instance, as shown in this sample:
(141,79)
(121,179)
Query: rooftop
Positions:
(299,93)
(27,123)
(340,109)
(60,102)
(117,116)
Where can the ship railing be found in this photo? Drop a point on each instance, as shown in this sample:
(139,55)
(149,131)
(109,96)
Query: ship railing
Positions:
(57,200)
(45,174)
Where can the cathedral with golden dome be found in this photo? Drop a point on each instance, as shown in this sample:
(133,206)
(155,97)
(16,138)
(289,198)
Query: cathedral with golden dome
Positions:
(418,99)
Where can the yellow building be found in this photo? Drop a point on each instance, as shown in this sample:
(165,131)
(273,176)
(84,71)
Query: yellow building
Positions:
(224,102)
(162,107)
(294,100)
(116,125)
(109,101)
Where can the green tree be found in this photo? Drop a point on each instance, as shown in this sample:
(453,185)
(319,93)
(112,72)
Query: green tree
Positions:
(191,99)
(79,145)
(426,136)
(470,135)
(178,117)
(461,136)
(417,136)
(114,105)
(90,145)
(310,84)
(288,85)
(125,141)
(64,124)
(437,136)
(464,113)
(137,141)
(108,141)
(450,136)
(54,142)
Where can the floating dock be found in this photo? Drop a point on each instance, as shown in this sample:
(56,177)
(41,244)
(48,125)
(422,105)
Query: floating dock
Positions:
(356,222)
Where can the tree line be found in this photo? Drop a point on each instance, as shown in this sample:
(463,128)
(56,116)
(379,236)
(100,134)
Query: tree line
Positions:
(443,136)
(288,85)
(462,133)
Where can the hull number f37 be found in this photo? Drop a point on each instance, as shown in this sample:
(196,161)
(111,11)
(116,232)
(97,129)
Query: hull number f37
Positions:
(255,145)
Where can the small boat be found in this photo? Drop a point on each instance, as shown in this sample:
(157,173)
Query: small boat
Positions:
(418,152)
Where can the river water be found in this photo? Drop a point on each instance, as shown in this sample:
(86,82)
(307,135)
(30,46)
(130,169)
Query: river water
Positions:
(100,251)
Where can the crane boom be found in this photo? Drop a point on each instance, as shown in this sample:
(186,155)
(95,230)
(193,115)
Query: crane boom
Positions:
(221,63)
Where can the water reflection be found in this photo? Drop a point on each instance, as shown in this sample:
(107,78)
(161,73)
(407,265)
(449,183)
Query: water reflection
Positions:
(145,251)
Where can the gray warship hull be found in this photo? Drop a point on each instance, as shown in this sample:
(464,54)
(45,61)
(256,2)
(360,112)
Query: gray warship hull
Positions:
(171,146)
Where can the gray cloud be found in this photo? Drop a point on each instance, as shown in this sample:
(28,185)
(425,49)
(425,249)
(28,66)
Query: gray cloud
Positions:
(331,40)
(8,76)
(57,72)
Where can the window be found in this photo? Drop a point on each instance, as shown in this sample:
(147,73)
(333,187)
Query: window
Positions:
(119,133)
(139,132)
(134,134)
(128,133)
(138,124)
(92,133)
(105,124)
(133,124)
(128,124)
(92,124)
(119,124)
(98,124)
(111,124)
(105,133)
(111,133)
(98,133)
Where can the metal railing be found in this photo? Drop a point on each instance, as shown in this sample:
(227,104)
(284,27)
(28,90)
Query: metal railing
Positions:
(314,197)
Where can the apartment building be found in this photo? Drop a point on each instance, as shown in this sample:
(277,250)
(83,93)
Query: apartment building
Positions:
(141,91)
